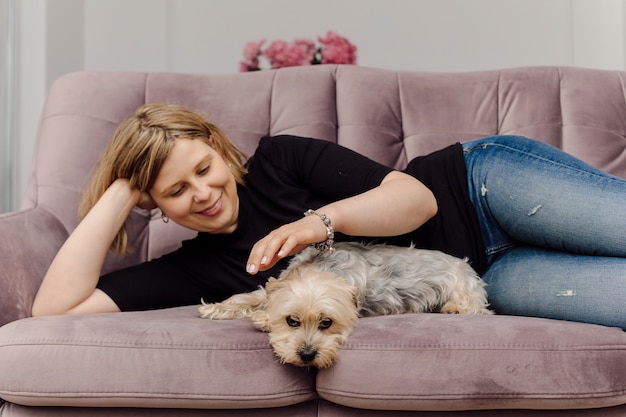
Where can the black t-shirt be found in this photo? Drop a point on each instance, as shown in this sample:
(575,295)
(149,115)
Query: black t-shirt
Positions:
(286,176)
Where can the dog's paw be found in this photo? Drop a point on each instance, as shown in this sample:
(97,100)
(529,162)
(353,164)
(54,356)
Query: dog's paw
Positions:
(211,311)
(226,310)
(238,306)
(451,308)
(261,321)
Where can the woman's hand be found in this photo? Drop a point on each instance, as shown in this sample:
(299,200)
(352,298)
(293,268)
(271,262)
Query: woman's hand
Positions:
(145,201)
(285,241)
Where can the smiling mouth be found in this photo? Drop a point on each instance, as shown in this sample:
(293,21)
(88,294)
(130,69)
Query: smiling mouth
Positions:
(213,209)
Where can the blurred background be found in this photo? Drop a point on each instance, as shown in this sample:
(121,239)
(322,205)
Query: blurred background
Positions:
(41,40)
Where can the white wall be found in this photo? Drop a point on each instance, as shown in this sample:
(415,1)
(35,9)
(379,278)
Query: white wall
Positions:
(6,157)
(433,35)
(207,36)
(30,86)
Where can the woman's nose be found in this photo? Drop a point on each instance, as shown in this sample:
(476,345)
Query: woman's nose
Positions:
(202,192)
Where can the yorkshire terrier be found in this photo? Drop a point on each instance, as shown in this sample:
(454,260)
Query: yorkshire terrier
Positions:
(310,310)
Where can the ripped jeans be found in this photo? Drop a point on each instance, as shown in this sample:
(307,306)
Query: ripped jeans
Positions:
(554,230)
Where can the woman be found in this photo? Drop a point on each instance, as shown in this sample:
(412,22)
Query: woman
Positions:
(545,230)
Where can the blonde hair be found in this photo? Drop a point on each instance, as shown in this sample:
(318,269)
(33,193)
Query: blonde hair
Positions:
(141,144)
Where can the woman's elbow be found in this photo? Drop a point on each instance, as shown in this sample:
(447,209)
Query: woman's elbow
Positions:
(97,302)
(42,308)
(39,310)
(432,206)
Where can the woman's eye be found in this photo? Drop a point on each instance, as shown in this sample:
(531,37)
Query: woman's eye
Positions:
(178,191)
(204,170)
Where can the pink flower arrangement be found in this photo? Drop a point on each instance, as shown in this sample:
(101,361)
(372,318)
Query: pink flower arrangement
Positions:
(332,49)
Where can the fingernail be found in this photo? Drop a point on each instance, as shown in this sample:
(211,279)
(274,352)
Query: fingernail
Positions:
(251,268)
(264,260)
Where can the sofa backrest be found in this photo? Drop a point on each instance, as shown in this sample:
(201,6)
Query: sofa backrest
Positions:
(390,116)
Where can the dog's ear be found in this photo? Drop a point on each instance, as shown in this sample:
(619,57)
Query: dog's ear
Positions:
(271,283)
(261,321)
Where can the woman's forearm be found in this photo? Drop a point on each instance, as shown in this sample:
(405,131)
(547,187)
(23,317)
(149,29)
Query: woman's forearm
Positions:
(399,205)
(73,275)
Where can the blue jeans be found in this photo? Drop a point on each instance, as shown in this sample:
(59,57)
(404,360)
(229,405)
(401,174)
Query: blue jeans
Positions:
(554,230)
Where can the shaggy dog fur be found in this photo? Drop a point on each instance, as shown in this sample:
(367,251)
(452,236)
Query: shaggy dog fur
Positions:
(310,310)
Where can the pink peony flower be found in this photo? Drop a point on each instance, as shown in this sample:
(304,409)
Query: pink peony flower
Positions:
(337,49)
(284,54)
(251,53)
(252,50)
(307,45)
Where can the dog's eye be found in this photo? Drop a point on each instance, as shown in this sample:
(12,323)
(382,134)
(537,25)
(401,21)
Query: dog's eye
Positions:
(325,324)
(291,322)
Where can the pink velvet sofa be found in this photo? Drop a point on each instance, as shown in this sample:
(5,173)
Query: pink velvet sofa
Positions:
(171,363)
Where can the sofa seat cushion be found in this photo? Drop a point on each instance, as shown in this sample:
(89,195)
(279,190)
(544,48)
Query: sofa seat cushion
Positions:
(166,358)
(449,362)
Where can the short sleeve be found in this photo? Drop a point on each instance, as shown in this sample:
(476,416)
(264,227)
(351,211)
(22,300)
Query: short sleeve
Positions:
(325,168)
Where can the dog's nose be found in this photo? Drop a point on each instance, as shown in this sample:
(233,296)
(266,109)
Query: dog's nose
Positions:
(307,354)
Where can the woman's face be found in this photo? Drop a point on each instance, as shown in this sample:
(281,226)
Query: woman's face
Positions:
(196,189)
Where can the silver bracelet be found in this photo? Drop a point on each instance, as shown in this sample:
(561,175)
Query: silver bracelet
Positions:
(327,244)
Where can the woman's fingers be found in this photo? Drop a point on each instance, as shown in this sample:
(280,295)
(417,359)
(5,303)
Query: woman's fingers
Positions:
(146,201)
(265,253)
(285,241)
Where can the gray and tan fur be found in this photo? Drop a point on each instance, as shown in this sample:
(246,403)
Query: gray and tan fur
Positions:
(310,310)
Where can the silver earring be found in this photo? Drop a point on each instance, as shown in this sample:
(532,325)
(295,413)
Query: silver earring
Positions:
(164,218)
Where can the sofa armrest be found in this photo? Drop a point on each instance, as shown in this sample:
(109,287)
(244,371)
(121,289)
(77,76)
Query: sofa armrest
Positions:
(29,241)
